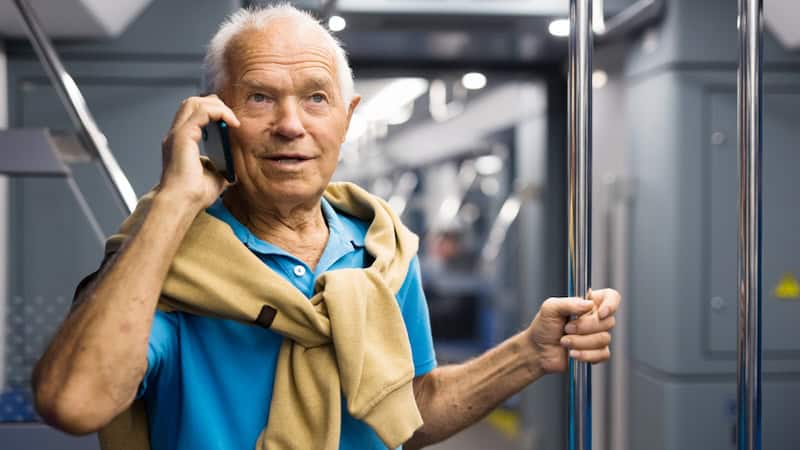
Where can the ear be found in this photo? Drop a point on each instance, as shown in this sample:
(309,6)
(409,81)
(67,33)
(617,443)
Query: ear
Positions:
(350,109)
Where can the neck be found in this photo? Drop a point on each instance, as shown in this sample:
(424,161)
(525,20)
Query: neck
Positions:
(298,228)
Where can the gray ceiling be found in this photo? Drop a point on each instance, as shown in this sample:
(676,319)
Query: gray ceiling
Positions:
(73,18)
(489,32)
(783,18)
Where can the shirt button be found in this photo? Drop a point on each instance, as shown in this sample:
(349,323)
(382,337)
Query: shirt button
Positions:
(299,271)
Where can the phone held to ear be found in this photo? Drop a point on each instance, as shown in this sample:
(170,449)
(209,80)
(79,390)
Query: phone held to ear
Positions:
(216,145)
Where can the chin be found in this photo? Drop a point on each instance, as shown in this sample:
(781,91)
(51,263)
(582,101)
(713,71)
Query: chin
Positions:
(296,190)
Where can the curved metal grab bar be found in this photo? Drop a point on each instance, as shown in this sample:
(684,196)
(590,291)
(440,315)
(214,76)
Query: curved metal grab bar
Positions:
(76,106)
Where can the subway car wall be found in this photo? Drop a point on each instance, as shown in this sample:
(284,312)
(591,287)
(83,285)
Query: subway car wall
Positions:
(462,129)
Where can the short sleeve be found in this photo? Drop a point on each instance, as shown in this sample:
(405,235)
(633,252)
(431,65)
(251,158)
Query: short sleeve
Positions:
(160,348)
(414,308)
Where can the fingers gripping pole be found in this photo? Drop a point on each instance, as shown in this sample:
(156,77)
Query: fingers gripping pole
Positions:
(750,140)
(579,206)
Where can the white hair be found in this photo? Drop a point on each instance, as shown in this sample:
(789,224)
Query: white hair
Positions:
(245,19)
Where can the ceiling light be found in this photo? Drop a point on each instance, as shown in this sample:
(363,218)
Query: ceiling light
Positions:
(396,94)
(559,27)
(393,104)
(599,78)
(489,164)
(474,80)
(336,23)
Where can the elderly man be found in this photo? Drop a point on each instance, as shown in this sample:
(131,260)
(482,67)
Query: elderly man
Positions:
(197,332)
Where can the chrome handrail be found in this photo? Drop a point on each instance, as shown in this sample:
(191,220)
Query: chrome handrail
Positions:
(76,106)
(749,262)
(579,197)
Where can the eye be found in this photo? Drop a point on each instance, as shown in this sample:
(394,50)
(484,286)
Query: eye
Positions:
(258,98)
(318,98)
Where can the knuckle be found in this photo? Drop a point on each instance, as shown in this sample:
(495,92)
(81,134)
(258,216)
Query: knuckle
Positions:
(600,356)
(175,135)
(192,102)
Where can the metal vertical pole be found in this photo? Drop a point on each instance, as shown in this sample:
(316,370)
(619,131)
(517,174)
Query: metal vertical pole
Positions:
(750,140)
(76,106)
(579,205)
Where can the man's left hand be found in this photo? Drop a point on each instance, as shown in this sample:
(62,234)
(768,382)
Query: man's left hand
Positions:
(552,333)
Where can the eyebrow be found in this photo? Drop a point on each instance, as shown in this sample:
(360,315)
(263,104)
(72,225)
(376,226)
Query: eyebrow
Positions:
(317,84)
(254,84)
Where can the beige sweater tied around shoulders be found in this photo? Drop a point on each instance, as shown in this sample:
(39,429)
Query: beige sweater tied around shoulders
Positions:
(348,338)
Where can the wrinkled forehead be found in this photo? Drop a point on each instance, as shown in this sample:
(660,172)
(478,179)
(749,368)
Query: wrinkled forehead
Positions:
(283,41)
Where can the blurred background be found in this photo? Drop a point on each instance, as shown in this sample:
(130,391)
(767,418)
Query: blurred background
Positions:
(462,128)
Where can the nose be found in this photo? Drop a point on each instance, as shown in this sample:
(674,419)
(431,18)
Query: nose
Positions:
(287,122)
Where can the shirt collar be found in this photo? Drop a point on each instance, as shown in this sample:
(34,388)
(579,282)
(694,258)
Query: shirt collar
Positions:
(337,227)
(342,238)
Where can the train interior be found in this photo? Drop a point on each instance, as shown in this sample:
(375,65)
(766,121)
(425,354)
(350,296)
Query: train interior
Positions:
(463,129)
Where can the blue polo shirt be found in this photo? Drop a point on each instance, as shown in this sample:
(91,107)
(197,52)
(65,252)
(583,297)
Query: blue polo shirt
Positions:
(209,381)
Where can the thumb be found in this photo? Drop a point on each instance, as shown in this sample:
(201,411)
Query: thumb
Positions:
(566,306)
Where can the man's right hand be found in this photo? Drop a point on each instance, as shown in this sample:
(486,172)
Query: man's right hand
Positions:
(183,176)
(92,369)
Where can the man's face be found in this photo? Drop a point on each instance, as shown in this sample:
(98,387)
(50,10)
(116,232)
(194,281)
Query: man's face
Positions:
(283,87)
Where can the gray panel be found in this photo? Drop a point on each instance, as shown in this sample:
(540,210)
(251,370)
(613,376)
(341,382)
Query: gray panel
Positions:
(678,236)
(41,437)
(52,247)
(29,152)
(781,245)
(699,33)
(697,414)
(666,222)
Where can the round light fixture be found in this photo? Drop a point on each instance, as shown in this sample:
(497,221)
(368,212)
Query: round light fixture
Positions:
(474,81)
(337,23)
(599,78)
(489,165)
(559,27)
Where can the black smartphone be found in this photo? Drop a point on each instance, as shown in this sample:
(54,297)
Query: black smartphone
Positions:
(217,146)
